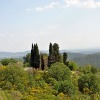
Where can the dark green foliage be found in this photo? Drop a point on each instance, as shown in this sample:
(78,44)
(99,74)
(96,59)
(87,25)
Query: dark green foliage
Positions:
(42,62)
(59,71)
(8,61)
(50,57)
(54,55)
(65,86)
(35,57)
(89,69)
(89,83)
(27,60)
(72,65)
(32,56)
(50,49)
(64,57)
(59,76)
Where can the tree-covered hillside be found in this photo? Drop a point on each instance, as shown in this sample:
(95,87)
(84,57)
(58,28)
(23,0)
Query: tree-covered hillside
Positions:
(92,59)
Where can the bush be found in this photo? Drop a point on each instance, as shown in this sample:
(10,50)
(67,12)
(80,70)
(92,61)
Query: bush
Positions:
(7,61)
(12,77)
(66,87)
(89,83)
(59,71)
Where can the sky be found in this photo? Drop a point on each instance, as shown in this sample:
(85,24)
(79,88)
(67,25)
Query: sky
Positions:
(73,24)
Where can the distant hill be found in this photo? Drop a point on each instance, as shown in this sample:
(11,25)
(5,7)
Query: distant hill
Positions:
(21,54)
(92,59)
(12,55)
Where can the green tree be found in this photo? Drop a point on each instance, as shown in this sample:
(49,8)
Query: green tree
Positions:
(59,71)
(13,77)
(89,83)
(27,60)
(42,62)
(64,57)
(72,65)
(8,61)
(50,49)
(50,57)
(32,56)
(56,53)
(35,57)
(65,86)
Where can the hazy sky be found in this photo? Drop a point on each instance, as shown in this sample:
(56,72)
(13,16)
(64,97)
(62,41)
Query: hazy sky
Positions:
(73,24)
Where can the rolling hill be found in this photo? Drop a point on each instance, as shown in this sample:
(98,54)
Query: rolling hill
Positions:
(91,59)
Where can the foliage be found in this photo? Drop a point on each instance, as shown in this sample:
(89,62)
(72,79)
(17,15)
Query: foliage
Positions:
(42,62)
(54,55)
(89,83)
(65,86)
(72,65)
(7,61)
(12,77)
(64,57)
(59,71)
(57,82)
(35,57)
(27,60)
(88,69)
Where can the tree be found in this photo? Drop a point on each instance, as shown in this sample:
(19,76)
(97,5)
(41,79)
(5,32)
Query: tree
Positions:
(42,62)
(50,57)
(50,49)
(14,77)
(8,61)
(64,57)
(59,71)
(56,53)
(72,65)
(27,60)
(89,83)
(32,56)
(35,57)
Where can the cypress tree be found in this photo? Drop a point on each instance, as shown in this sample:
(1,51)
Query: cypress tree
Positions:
(42,62)
(65,58)
(50,57)
(35,57)
(32,56)
(50,49)
(56,53)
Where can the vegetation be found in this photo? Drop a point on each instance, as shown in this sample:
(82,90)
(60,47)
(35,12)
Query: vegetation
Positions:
(91,59)
(60,81)
(35,57)
(54,55)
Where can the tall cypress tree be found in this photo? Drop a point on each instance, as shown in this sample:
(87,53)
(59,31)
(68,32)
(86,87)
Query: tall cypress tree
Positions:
(42,62)
(65,58)
(50,57)
(50,49)
(32,56)
(35,57)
